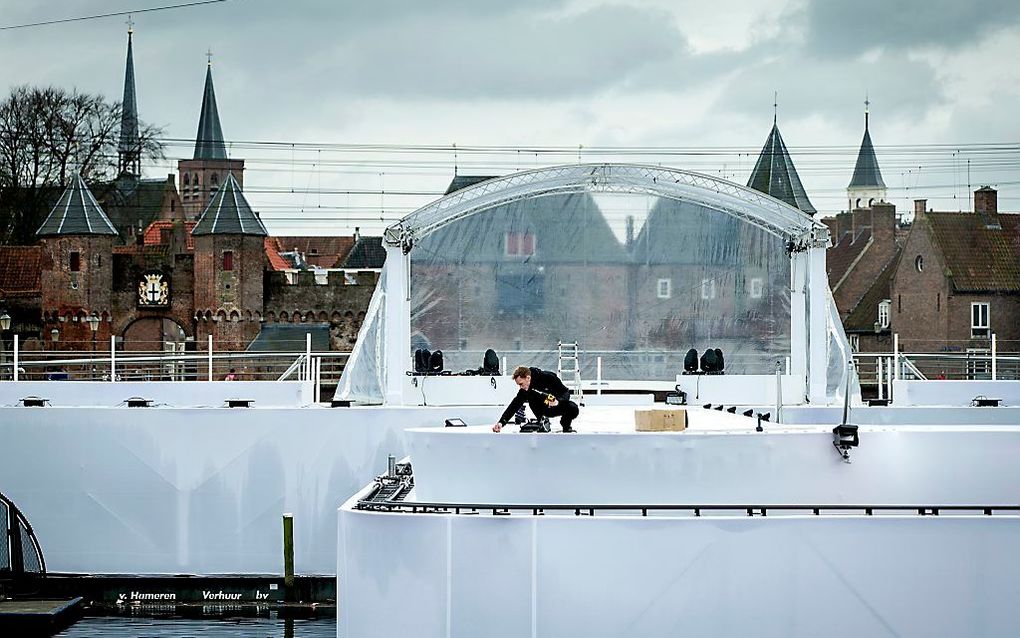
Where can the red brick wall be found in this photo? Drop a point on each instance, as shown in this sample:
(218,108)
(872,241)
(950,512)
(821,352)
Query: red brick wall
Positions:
(920,300)
(195,199)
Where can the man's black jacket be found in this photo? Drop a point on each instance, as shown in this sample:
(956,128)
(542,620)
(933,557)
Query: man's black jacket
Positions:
(542,384)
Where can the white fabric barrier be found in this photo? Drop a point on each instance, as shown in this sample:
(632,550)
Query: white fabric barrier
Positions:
(169,393)
(954,392)
(892,466)
(434,576)
(900,416)
(740,389)
(164,490)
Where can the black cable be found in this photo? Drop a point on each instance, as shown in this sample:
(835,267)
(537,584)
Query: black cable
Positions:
(111,15)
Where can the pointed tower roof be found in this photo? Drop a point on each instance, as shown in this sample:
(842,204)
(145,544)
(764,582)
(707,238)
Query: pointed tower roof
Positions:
(76,213)
(866,173)
(229,213)
(209,141)
(129,149)
(774,174)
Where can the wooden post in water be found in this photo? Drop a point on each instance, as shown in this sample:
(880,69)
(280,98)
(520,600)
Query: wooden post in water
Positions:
(288,556)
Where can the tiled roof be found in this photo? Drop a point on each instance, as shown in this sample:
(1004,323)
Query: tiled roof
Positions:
(774,174)
(154,233)
(20,270)
(863,316)
(979,259)
(367,253)
(229,213)
(76,213)
(276,262)
(324,252)
(843,253)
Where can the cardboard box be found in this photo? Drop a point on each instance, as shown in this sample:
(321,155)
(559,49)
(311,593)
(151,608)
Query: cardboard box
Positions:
(660,420)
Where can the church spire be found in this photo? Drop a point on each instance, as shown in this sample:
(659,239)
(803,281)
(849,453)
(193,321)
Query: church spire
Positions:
(774,173)
(129,150)
(866,186)
(209,141)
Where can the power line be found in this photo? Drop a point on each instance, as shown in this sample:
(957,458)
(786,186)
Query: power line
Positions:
(111,15)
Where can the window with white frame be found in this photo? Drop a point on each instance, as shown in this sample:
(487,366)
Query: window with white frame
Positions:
(757,288)
(883,313)
(979,320)
(664,289)
(708,288)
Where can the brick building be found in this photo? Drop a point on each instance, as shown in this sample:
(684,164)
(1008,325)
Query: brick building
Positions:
(163,270)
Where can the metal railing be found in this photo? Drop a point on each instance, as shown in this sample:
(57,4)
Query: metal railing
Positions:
(114,364)
(741,509)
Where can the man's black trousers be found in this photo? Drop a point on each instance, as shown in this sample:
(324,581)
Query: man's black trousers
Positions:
(566,410)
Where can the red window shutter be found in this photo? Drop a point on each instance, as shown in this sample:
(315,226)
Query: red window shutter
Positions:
(228,260)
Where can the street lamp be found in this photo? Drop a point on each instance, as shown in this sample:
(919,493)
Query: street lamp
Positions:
(93,321)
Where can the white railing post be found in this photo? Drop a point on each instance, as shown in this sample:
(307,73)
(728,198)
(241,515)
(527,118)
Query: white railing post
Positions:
(994,368)
(16,353)
(308,356)
(318,379)
(896,356)
(881,381)
(113,358)
(598,375)
(505,371)
(210,357)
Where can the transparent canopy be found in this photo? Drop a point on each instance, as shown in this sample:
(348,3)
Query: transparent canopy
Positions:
(635,264)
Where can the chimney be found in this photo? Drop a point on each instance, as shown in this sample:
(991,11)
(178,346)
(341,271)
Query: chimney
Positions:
(844,225)
(357,233)
(986,204)
(919,207)
(630,232)
(883,223)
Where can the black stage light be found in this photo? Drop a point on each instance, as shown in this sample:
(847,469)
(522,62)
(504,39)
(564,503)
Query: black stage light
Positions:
(691,361)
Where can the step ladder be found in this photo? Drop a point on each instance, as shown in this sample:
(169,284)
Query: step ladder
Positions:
(568,369)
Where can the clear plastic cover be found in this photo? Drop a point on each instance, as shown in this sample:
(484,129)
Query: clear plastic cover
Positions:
(634,278)
(363,378)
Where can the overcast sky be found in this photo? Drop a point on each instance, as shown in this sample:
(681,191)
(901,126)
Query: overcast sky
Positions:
(528,73)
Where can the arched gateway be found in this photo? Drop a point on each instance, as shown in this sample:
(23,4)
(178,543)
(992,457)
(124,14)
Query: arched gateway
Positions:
(637,264)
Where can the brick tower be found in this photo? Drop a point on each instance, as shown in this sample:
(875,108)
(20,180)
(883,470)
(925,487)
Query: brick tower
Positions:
(229,255)
(77,239)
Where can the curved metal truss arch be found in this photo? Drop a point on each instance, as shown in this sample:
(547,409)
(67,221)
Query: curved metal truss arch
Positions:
(767,213)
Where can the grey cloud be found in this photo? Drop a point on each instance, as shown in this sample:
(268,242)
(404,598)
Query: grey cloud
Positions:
(850,28)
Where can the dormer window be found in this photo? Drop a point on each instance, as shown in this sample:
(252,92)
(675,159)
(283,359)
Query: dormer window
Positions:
(883,313)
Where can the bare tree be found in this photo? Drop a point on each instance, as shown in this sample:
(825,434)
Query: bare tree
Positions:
(47,135)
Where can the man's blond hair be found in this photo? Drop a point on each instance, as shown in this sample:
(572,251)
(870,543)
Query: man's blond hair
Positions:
(522,371)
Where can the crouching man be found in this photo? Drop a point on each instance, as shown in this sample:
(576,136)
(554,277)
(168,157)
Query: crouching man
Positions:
(544,393)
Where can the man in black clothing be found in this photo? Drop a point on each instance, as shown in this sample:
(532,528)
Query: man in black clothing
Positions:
(546,395)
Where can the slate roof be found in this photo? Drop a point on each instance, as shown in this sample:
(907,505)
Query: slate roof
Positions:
(978,258)
(463,181)
(774,174)
(841,255)
(863,316)
(290,337)
(209,140)
(229,213)
(20,270)
(682,232)
(132,203)
(567,228)
(76,213)
(368,253)
(866,172)
(129,107)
